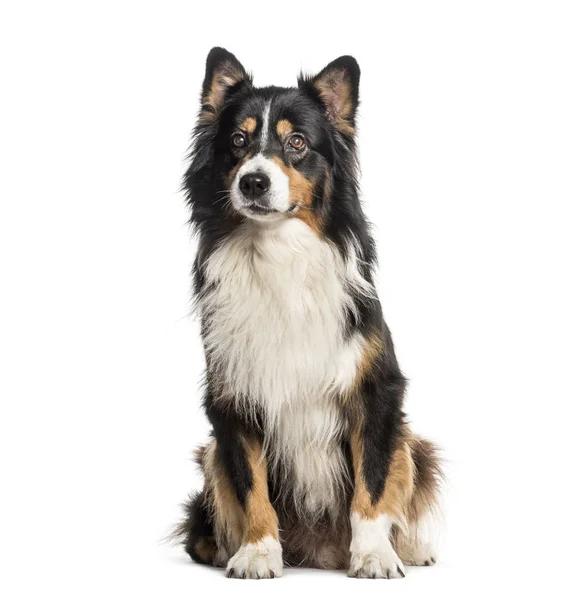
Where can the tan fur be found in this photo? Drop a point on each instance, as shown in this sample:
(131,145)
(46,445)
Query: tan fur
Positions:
(284,128)
(229,518)
(327,186)
(234,526)
(261,519)
(206,549)
(199,455)
(249,125)
(335,91)
(301,193)
(398,489)
(410,493)
(427,478)
(371,351)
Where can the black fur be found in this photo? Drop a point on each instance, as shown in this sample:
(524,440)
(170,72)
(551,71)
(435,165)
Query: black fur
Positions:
(198,525)
(332,164)
(227,429)
(382,391)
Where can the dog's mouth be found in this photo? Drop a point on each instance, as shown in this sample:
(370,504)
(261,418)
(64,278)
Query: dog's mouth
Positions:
(259,209)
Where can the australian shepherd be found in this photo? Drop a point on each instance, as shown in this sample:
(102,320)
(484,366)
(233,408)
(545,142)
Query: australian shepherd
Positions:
(311,461)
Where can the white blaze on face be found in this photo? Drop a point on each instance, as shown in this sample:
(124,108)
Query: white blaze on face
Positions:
(278,195)
(264,132)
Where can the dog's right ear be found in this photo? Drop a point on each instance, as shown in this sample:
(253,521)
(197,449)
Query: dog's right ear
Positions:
(224,74)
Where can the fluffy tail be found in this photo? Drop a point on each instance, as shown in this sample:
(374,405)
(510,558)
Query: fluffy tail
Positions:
(195,531)
(429,477)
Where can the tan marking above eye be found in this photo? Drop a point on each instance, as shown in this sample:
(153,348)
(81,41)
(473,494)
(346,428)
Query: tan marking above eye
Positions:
(249,125)
(284,128)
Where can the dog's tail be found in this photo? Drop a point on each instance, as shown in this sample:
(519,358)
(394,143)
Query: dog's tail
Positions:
(196,530)
(429,477)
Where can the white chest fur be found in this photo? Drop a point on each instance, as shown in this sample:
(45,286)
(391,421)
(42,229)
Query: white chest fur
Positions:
(274,306)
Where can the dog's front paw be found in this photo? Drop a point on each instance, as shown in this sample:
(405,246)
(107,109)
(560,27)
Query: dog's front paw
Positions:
(259,560)
(376,564)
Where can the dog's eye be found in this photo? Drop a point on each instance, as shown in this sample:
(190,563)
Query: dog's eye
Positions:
(238,140)
(296,142)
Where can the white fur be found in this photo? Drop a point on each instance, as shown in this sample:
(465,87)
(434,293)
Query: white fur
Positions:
(264,131)
(372,554)
(274,307)
(278,193)
(261,560)
(421,544)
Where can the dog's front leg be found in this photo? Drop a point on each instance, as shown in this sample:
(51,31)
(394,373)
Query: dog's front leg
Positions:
(383,474)
(260,554)
(243,511)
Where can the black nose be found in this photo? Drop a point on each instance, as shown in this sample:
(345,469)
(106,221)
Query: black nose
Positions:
(254,185)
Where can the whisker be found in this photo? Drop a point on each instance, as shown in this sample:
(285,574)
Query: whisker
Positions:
(222,199)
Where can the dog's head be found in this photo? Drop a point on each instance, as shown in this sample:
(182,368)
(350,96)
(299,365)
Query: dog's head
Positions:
(269,154)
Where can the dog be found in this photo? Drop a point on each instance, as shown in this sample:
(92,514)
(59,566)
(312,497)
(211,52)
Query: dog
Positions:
(311,461)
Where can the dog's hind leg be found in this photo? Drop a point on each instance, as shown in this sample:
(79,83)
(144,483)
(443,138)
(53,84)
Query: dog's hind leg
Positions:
(419,544)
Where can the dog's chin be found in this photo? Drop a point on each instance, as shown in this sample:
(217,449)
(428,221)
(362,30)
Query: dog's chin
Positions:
(259,213)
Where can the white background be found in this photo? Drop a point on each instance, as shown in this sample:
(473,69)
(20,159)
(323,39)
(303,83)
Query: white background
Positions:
(462,149)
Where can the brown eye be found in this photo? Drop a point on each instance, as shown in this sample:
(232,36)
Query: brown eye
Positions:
(297,142)
(238,140)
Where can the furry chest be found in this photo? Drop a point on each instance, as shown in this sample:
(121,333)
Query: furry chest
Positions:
(274,309)
(305,448)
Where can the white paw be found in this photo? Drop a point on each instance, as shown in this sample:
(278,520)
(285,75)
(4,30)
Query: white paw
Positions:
(261,560)
(372,555)
(377,564)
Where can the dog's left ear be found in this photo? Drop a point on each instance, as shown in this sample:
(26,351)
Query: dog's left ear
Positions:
(336,86)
